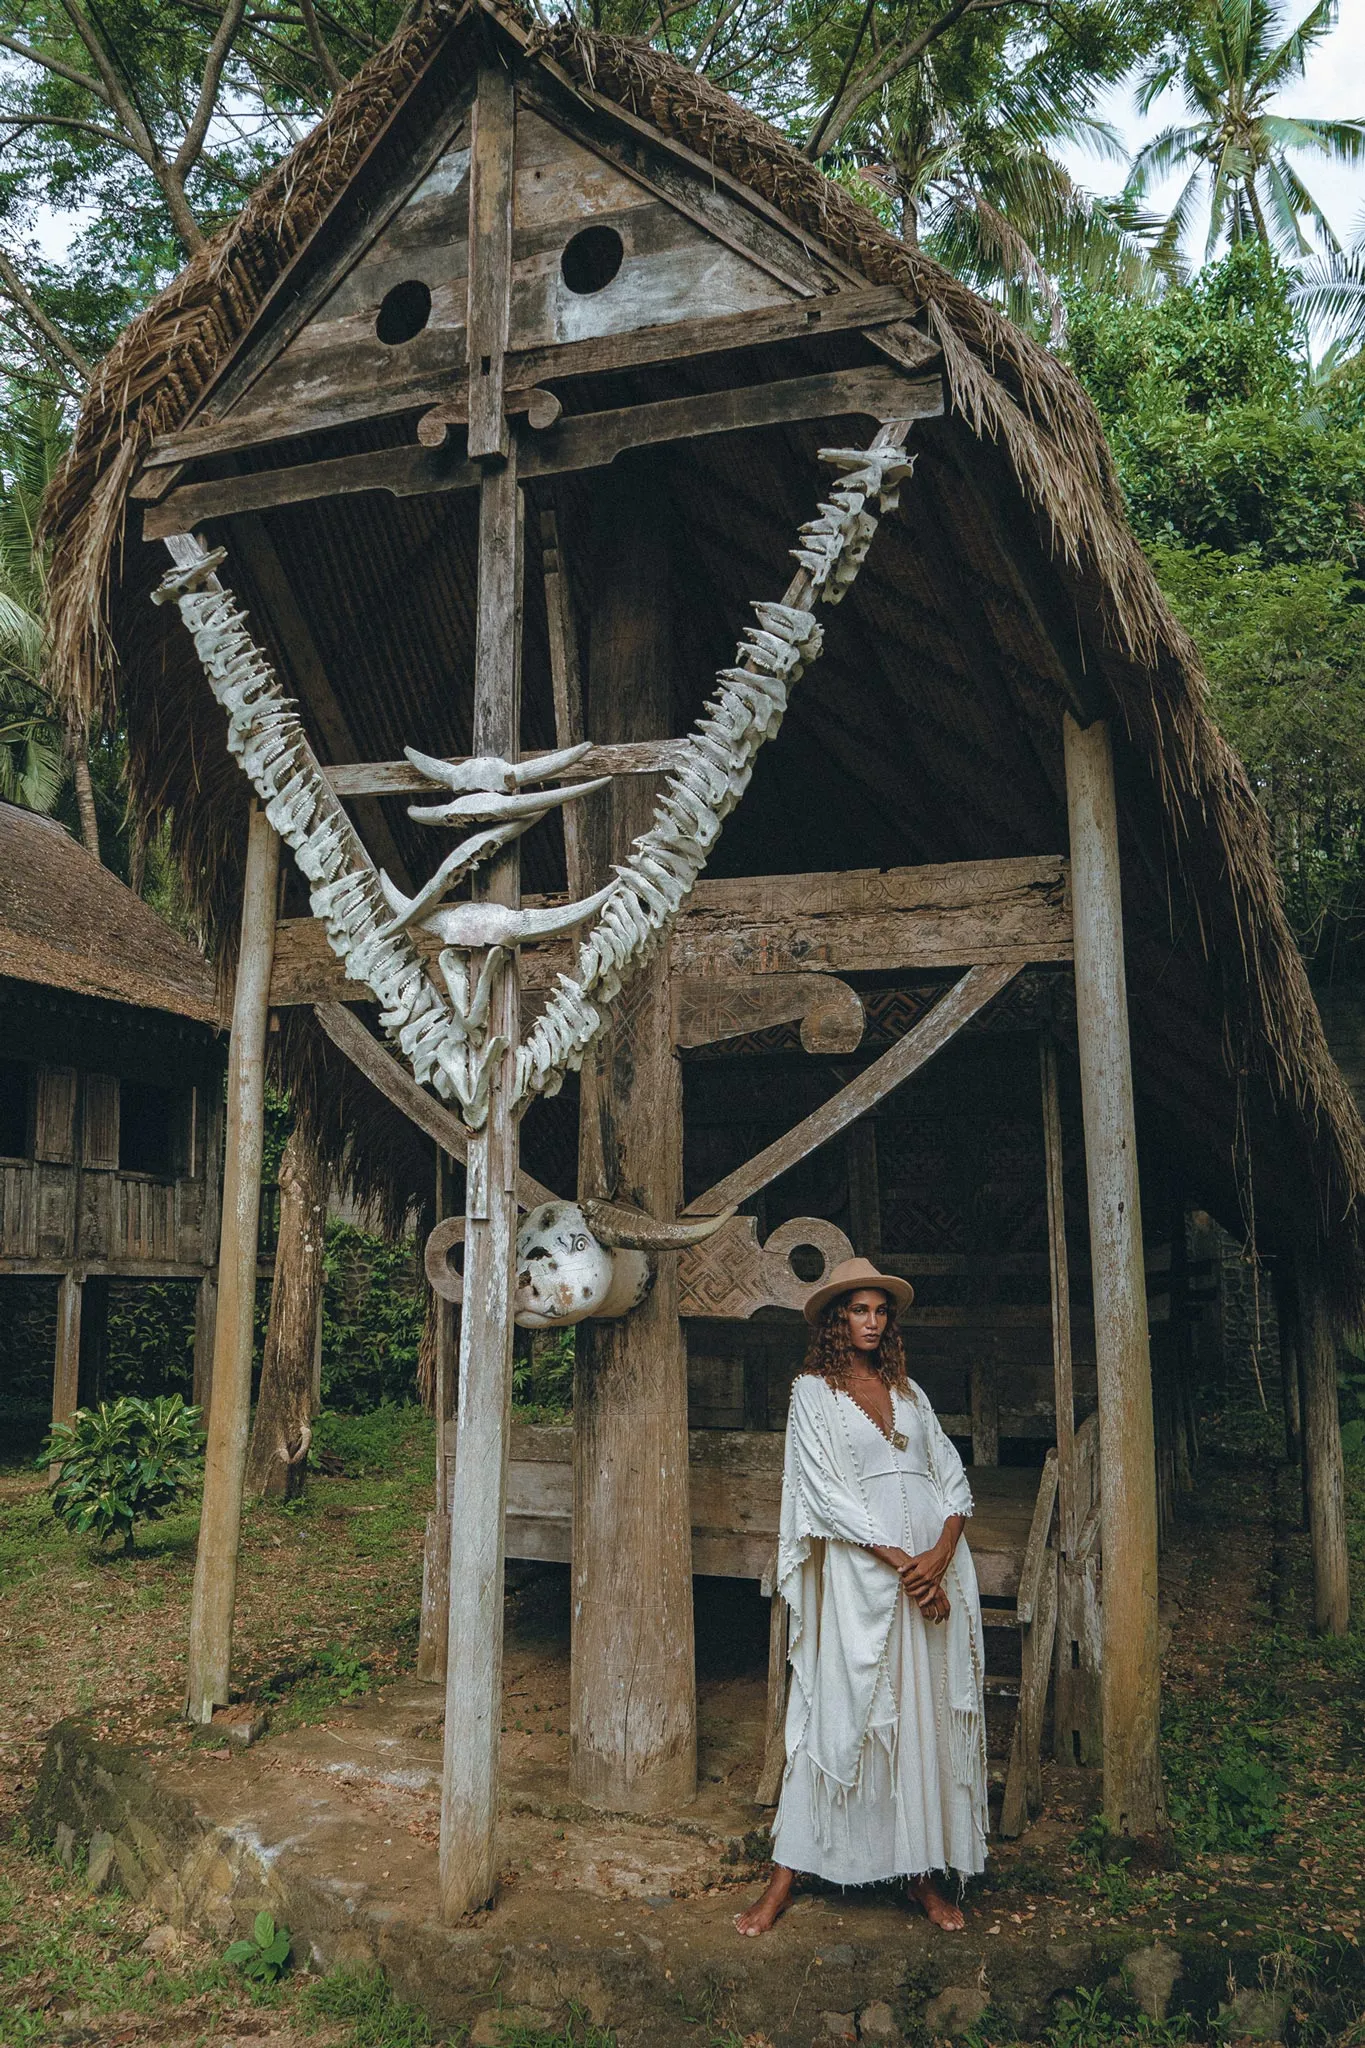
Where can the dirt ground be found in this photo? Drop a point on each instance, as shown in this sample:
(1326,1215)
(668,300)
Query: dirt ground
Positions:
(1264,1752)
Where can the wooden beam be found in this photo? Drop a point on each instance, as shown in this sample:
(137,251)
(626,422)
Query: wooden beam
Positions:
(1059,1280)
(473,1711)
(706,1012)
(566,683)
(1325,1475)
(586,441)
(676,341)
(67,1364)
(349,1035)
(490,258)
(633,1734)
(220,1520)
(978,987)
(1131,1669)
(1009,913)
(249,542)
(400,778)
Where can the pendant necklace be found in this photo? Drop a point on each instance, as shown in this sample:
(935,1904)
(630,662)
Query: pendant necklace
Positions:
(897,1438)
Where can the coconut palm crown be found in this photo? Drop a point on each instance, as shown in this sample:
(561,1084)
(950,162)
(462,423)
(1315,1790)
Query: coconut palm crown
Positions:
(1229,62)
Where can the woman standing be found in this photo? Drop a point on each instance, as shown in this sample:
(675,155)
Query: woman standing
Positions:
(886,1744)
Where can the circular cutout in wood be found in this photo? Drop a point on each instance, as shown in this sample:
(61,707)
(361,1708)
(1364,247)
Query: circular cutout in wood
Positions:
(403,312)
(591,260)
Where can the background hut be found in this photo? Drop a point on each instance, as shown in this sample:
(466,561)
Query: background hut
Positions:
(640,344)
(111,1073)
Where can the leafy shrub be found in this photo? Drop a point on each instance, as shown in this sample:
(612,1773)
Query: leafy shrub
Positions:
(1235,1806)
(380,1442)
(264,1955)
(542,1375)
(126,1461)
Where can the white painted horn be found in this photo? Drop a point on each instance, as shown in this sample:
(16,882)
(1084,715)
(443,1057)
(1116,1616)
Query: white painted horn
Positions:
(625,1229)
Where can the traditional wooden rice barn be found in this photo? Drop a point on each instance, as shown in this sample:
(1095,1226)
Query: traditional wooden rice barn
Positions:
(505,399)
(111,1084)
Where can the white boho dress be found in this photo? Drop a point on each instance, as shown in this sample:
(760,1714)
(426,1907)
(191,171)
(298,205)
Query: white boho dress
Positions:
(886,1752)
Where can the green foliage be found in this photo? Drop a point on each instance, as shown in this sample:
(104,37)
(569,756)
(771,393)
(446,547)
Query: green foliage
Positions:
(151,1338)
(1090,2018)
(1220,437)
(373,1312)
(364,2001)
(542,1376)
(32,441)
(264,1955)
(125,1462)
(1224,1792)
(1284,647)
(374,1443)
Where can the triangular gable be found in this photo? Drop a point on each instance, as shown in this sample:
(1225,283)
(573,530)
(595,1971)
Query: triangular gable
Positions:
(385,325)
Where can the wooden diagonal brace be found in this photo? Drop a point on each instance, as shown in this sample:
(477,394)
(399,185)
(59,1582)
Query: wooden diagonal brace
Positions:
(829,1012)
(978,987)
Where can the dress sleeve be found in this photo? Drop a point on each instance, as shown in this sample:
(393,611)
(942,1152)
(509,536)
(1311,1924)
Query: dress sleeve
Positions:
(948,1466)
(822,1497)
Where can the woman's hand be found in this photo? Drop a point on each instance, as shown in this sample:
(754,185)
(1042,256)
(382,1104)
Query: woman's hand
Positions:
(923,1575)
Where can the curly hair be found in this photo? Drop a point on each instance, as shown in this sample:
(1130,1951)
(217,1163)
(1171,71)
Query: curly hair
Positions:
(830,1351)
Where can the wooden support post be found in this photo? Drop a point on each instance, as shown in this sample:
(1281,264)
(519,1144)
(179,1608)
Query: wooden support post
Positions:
(205,1316)
(490,268)
(1059,1279)
(67,1367)
(1322,1455)
(473,1715)
(220,1520)
(1131,1669)
(1286,1318)
(632,1683)
(433,1631)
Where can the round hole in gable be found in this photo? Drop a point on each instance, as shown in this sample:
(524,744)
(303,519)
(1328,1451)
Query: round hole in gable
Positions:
(403,312)
(591,260)
(807,1261)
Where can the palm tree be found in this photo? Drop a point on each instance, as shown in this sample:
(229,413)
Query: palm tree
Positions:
(31,752)
(1229,63)
(975,181)
(1331,291)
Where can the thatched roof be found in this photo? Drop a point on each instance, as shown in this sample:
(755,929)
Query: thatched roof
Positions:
(66,922)
(941,644)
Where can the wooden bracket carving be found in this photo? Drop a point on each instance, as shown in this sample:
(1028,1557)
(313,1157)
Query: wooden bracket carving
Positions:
(830,1014)
(731,1274)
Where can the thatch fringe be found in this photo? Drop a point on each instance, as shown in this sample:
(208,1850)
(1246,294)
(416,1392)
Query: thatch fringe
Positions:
(1005,388)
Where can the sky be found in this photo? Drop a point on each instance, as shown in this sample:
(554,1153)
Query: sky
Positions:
(1332,88)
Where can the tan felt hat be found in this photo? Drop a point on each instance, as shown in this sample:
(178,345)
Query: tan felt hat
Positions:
(847,1277)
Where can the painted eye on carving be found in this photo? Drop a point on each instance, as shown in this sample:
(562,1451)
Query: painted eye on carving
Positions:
(591,260)
(578,1242)
(403,312)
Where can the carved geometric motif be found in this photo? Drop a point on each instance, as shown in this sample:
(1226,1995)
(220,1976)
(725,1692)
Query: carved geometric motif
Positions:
(731,1275)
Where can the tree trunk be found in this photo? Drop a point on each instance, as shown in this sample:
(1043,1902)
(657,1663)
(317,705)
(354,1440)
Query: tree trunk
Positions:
(85,797)
(278,1458)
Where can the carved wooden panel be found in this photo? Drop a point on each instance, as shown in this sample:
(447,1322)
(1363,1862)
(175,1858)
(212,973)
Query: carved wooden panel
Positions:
(731,1275)
(828,1011)
(100,1122)
(55,1117)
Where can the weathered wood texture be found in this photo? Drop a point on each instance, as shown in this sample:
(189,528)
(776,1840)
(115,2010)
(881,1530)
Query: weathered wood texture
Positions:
(584,441)
(775,1719)
(1131,1676)
(1076,1716)
(400,778)
(979,986)
(490,258)
(67,1364)
(707,1011)
(434,1627)
(1010,912)
(1325,1475)
(1059,1288)
(731,1275)
(633,1741)
(215,1564)
(473,1721)
(736,1492)
(670,341)
(277,1458)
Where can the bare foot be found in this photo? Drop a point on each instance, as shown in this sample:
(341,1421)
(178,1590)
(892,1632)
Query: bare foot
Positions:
(761,1915)
(941,1911)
